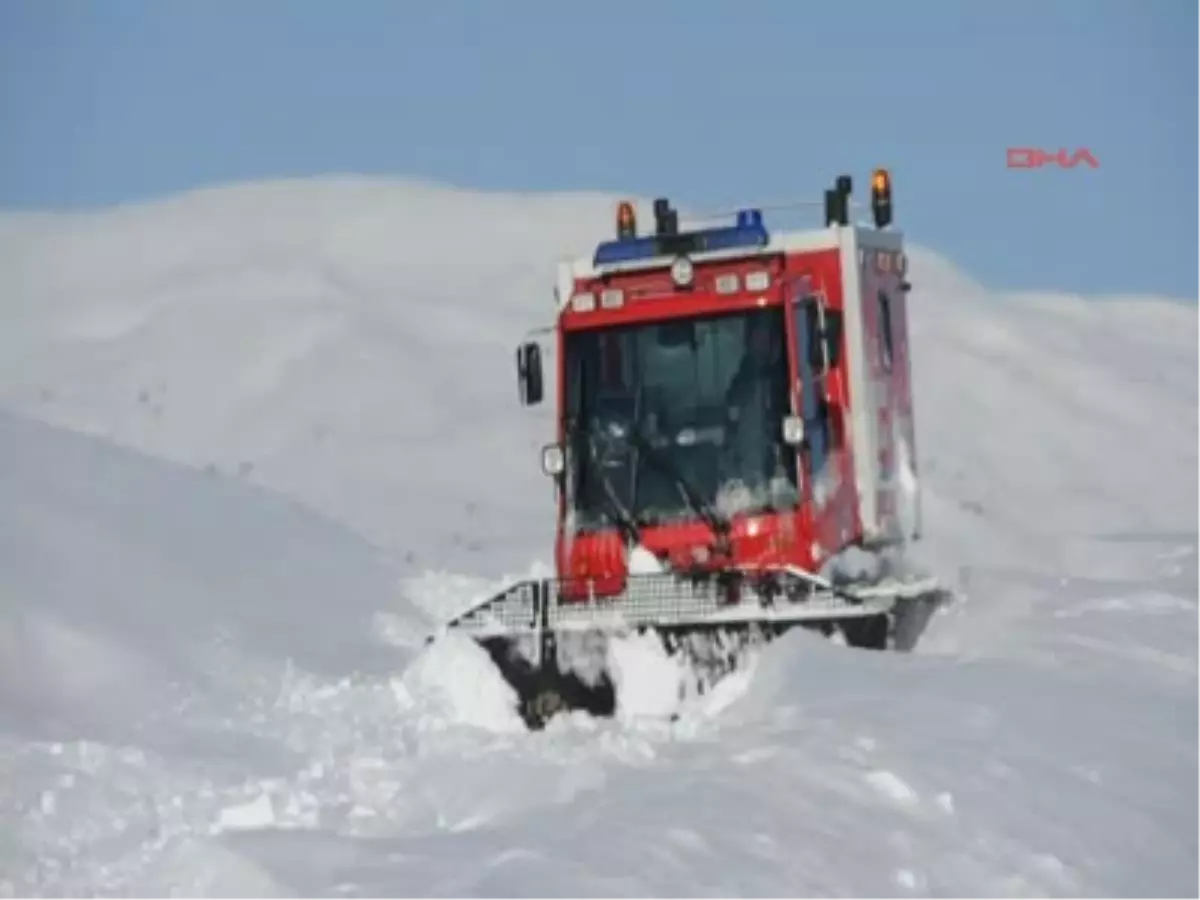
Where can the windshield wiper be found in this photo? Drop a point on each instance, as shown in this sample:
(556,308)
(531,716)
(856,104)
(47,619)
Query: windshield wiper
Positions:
(617,510)
(662,461)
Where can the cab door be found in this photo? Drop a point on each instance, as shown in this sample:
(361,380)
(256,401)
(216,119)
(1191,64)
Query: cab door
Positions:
(816,357)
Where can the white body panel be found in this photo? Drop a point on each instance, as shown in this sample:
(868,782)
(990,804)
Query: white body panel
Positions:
(869,394)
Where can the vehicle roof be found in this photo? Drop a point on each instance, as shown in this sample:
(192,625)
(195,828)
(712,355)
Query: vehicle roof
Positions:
(582,268)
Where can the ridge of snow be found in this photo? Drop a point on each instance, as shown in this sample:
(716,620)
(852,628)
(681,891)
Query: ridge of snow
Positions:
(258,440)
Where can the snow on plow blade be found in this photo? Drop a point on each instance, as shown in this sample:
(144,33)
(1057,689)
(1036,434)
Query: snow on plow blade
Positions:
(551,649)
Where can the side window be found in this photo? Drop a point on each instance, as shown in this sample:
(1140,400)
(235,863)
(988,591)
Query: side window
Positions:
(833,337)
(885,331)
(820,342)
(810,334)
(811,356)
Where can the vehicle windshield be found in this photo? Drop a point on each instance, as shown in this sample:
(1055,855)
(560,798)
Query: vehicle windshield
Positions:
(706,396)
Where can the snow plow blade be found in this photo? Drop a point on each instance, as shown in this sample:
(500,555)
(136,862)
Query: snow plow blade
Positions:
(553,650)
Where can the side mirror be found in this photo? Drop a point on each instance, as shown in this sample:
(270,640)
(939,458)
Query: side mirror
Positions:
(793,431)
(529,373)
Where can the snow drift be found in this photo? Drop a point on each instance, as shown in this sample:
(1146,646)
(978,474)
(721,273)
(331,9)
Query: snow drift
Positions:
(260,438)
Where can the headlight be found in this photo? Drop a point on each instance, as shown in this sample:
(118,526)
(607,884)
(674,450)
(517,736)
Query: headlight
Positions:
(793,430)
(553,461)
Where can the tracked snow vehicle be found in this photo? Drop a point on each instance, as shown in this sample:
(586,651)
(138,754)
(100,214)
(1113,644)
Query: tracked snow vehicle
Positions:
(734,416)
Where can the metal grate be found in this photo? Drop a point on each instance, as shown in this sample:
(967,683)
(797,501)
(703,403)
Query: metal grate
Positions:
(777,595)
(667,600)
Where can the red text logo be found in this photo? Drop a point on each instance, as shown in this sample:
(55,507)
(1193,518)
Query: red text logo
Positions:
(1033,158)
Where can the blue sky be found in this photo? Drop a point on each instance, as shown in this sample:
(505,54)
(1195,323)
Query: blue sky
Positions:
(708,103)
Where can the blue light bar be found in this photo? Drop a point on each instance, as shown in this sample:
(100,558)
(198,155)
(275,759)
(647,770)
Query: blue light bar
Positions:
(749,218)
(749,232)
(625,251)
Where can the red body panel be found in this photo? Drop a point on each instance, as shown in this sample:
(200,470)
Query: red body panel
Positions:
(597,563)
(832,513)
(827,518)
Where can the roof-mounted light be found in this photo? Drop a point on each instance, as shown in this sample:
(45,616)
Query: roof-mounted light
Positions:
(583,302)
(758,281)
(682,272)
(881,198)
(749,218)
(837,202)
(749,232)
(626,222)
(727,283)
(666,220)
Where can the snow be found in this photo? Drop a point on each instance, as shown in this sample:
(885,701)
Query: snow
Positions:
(256,442)
(649,682)
(455,681)
(642,561)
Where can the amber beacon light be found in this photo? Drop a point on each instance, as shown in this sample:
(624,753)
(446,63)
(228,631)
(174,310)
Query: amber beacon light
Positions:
(881,198)
(626,222)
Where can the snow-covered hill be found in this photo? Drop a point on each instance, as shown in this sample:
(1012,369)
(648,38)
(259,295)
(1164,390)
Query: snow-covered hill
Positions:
(258,438)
